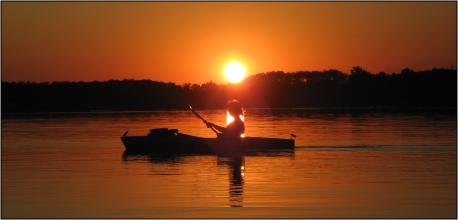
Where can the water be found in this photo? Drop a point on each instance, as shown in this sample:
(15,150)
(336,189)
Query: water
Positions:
(355,165)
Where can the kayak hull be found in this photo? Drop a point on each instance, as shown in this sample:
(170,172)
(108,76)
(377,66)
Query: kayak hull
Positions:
(183,143)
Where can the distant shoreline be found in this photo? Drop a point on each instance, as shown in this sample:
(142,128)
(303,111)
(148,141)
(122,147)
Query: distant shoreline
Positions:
(330,89)
(310,110)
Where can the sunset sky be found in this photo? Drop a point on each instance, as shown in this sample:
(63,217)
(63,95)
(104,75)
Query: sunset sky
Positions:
(192,41)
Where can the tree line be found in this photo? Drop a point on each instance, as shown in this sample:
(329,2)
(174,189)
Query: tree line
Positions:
(435,88)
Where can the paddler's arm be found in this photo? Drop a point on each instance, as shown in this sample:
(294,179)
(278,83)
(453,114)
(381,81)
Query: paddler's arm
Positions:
(217,127)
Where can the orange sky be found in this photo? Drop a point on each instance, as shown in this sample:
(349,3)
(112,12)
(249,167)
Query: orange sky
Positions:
(191,41)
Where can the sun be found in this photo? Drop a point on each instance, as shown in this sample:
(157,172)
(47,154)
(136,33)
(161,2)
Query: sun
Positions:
(234,72)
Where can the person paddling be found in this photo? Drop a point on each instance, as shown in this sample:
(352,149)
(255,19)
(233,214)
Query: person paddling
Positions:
(236,128)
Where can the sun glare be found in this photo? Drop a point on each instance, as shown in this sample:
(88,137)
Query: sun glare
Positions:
(230,119)
(234,72)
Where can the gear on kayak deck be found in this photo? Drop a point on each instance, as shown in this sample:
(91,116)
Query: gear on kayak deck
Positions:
(162,132)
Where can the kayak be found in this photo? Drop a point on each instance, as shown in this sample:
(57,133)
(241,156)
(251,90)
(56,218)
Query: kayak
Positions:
(171,141)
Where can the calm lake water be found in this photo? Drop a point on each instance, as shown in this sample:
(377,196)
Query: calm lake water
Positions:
(358,165)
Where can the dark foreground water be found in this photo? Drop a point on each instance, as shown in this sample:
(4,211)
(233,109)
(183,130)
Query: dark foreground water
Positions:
(359,165)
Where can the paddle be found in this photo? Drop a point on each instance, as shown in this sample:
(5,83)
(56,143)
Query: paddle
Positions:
(203,120)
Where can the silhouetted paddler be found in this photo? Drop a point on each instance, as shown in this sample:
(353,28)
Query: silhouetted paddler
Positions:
(236,128)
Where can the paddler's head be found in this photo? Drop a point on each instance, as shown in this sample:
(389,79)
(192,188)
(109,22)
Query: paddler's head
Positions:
(235,108)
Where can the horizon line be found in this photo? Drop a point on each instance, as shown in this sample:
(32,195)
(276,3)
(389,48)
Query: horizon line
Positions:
(228,83)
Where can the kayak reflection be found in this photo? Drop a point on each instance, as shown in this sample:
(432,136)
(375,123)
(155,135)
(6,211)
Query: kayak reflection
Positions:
(236,175)
(172,158)
(235,164)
